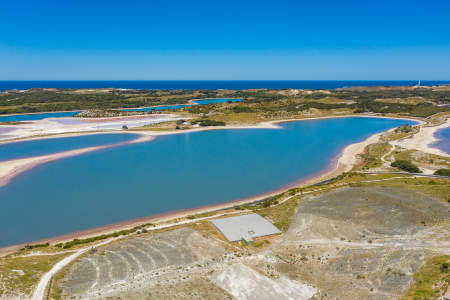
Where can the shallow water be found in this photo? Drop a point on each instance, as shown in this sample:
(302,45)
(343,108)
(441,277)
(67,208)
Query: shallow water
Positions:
(170,173)
(178,106)
(54,145)
(209,101)
(444,140)
(34,117)
(41,116)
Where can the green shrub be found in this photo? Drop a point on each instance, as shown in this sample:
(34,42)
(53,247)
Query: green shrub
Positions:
(29,247)
(75,242)
(406,166)
(207,122)
(442,172)
(404,128)
(241,109)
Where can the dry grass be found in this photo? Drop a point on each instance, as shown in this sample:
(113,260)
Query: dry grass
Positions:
(373,153)
(239,118)
(423,159)
(431,280)
(403,155)
(281,215)
(436,188)
(163,126)
(14,282)
(399,135)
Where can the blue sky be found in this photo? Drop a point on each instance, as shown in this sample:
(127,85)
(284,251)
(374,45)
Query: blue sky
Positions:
(305,40)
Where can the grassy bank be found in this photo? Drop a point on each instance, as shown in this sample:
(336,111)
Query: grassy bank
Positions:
(431,281)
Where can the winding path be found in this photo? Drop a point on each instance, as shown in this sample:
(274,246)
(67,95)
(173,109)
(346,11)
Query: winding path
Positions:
(39,292)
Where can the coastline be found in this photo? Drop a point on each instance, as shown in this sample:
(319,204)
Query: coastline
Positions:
(347,158)
(424,139)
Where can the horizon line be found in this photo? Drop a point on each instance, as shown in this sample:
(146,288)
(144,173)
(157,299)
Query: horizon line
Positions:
(224,79)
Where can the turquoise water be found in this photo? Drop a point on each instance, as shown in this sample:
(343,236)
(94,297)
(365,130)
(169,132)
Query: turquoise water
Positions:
(165,107)
(34,117)
(178,106)
(48,146)
(41,116)
(170,173)
(209,101)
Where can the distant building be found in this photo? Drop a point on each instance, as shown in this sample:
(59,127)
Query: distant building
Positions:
(244,228)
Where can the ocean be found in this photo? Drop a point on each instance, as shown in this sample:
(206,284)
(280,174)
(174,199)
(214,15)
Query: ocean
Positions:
(210,84)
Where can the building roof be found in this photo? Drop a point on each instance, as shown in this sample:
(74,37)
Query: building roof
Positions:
(238,227)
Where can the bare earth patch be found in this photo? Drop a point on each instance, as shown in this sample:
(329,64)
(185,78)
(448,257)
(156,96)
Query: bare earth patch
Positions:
(361,243)
(350,243)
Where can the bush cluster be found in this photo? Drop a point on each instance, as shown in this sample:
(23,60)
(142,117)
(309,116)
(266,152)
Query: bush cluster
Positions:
(208,122)
(75,242)
(406,165)
(29,247)
(442,172)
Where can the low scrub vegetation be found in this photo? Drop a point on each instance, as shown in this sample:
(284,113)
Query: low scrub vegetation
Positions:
(406,165)
(208,122)
(431,280)
(442,172)
(76,242)
(254,101)
(20,274)
(29,247)
(404,128)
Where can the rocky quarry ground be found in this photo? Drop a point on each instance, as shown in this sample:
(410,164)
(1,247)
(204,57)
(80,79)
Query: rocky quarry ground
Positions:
(351,243)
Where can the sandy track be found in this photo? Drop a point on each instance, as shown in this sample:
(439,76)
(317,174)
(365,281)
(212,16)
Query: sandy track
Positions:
(39,292)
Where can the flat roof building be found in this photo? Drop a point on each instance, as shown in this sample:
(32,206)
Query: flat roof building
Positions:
(245,227)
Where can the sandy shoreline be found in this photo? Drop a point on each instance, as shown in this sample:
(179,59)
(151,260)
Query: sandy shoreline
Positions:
(344,162)
(424,139)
